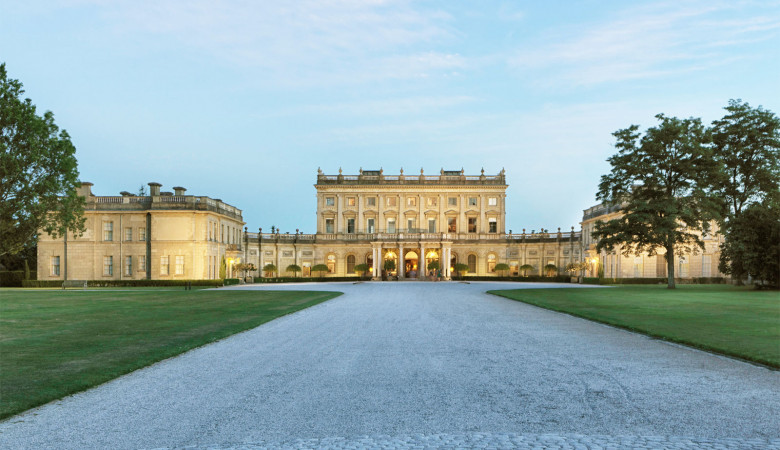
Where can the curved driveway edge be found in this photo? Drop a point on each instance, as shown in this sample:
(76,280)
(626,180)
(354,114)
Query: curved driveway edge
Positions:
(417,360)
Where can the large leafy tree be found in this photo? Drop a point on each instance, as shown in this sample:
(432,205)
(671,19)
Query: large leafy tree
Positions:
(657,179)
(746,150)
(754,241)
(38,172)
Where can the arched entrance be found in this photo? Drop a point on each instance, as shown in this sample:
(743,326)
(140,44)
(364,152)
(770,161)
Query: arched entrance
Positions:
(411,260)
(390,256)
(431,256)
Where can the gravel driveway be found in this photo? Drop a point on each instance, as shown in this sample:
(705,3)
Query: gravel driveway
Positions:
(426,364)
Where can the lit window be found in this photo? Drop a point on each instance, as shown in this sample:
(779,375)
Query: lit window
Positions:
(108,231)
(452,201)
(128,234)
(491,263)
(142,234)
(55,266)
(371,201)
(411,201)
(330,201)
(492,201)
(472,201)
(350,201)
(329,226)
(163,265)
(331,263)
(392,201)
(108,265)
(451,225)
(433,201)
(180,265)
(472,225)
(128,265)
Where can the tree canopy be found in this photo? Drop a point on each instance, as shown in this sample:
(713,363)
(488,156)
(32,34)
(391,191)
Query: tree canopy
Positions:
(659,181)
(38,172)
(294,268)
(319,268)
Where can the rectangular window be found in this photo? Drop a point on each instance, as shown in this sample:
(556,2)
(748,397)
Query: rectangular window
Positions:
(163,265)
(493,226)
(472,225)
(492,201)
(180,265)
(431,225)
(392,201)
(370,225)
(452,201)
(329,226)
(108,231)
(142,234)
(451,225)
(108,265)
(472,201)
(128,234)
(350,225)
(706,266)
(433,201)
(142,263)
(330,201)
(351,201)
(411,201)
(391,225)
(410,225)
(129,265)
(55,266)
(371,201)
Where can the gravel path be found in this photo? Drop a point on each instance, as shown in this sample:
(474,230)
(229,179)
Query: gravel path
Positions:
(403,364)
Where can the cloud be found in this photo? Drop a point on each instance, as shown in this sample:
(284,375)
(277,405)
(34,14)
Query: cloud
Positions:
(652,41)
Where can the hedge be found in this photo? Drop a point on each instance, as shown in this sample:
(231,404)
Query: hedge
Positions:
(531,279)
(125,283)
(231,281)
(664,280)
(14,278)
(305,279)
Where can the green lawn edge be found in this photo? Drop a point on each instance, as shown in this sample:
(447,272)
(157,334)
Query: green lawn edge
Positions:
(689,343)
(173,351)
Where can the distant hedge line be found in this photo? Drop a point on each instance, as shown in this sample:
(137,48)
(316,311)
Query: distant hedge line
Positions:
(14,278)
(125,283)
(528,279)
(697,280)
(304,280)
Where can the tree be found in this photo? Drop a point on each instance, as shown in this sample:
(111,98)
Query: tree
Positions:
(461,268)
(501,267)
(223,268)
(244,268)
(576,267)
(433,265)
(659,183)
(746,150)
(389,265)
(320,268)
(362,269)
(550,269)
(525,268)
(269,268)
(38,173)
(294,268)
(754,242)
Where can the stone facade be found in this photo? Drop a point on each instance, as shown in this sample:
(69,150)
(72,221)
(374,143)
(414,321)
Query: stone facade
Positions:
(162,236)
(615,265)
(449,217)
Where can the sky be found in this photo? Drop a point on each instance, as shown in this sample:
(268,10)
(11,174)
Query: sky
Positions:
(245,100)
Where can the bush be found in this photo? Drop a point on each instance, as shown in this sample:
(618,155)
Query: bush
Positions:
(126,283)
(14,278)
(531,279)
(231,281)
(699,280)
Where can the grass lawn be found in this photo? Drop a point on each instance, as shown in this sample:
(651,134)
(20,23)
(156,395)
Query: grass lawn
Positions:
(54,342)
(724,319)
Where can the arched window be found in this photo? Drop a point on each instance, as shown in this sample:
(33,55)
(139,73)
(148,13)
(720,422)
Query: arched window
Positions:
(491,263)
(453,261)
(370,262)
(331,263)
(472,263)
(351,264)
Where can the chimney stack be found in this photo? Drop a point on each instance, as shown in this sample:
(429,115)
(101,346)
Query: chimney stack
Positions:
(154,189)
(85,190)
(178,190)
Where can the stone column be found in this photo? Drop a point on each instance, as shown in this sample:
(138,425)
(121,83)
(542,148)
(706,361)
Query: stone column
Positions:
(422,268)
(461,226)
(339,226)
(445,261)
(400,262)
(359,226)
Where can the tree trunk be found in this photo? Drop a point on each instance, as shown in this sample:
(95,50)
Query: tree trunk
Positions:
(670,266)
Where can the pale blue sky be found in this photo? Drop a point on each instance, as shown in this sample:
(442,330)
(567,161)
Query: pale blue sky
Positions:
(243,100)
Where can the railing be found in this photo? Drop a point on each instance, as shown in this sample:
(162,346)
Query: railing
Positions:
(135,203)
(415,236)
(109,199)
(412,179)
(173,199)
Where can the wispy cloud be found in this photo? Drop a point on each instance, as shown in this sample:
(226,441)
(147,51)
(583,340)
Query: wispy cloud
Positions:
(652,41)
